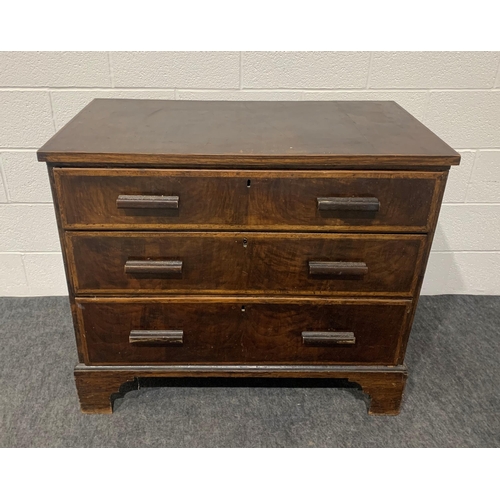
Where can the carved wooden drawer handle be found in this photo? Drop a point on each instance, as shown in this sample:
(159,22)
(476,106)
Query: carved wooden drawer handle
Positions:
(146,201)
(328,338)
(338,268)
(153,266)
(156,337)
(346,203)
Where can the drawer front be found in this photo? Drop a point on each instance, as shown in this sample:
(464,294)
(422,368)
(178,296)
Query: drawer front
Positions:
(178,330)
(280,200)
(244,263)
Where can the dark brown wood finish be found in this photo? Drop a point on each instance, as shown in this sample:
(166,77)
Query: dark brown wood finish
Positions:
(242,330)
(277,200)
(128,131)
(147,201)
(156,267)
(328,338)
(156,337)
(436,206)
(384,385)
(348,204)
(262,206)
(243,263)
(80,337)
(337,268)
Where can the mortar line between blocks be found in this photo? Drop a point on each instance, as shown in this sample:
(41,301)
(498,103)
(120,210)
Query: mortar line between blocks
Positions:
(250,89)
(111,75)
(90,89)
(241,70)
(465,251)
(28,203)
(426,105)
(52,112)
(470,176)
(4,180)
(28,284)
(478,204)
(17,150)
(31,252)
(369,76)
(496,83)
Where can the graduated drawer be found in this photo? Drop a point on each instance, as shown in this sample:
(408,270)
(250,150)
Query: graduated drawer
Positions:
(241,330)
(244,263)
(201,199)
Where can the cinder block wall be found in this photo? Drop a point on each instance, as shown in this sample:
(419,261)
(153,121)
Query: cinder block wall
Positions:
(457,95)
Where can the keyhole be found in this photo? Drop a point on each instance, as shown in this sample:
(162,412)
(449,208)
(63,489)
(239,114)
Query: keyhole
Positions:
(249,182)
(242,309)
(245,242)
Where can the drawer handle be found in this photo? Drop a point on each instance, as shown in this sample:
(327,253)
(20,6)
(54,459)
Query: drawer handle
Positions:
(338,268)
(153,266)
(346,203)
(143,201)
(156,337)
(328,338)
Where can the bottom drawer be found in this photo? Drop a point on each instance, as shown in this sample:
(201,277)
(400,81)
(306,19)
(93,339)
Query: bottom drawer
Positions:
(241,330)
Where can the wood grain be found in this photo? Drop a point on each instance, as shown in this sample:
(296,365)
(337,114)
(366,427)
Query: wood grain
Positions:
(216,199)
(156,267)
(336,268)
(156,337)
(328,338)
(348,204)
(242,331)
(243,263)
(325,133)
(98,385)
(147,202)
(79,333)
(422,264)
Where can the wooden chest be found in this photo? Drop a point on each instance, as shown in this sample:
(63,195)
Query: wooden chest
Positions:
(245,239)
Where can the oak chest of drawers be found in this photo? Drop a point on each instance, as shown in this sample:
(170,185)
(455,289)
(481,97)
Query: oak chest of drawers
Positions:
(245,239)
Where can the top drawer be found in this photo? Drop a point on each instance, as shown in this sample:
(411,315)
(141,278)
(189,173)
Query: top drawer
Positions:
(252,200)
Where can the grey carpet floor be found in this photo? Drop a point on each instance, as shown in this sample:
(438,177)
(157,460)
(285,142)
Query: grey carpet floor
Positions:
(452,397)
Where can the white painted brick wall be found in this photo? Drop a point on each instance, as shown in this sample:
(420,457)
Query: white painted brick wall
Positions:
(25,118)
(434,70)
(316,70)
(484,185)
(12,275)
(3,191)
(28,228)
(458,178)
(212,70)
(475,273)
(54,69)
(465,119)
(456,94)
(45,272)
(463,227)
(26,180)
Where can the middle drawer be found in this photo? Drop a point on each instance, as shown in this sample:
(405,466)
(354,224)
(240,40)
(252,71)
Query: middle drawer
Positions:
(244,263)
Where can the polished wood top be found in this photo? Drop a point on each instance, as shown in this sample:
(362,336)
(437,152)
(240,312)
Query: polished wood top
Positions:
(329,134)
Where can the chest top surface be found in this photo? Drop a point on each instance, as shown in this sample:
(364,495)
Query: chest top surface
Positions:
(328,134)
